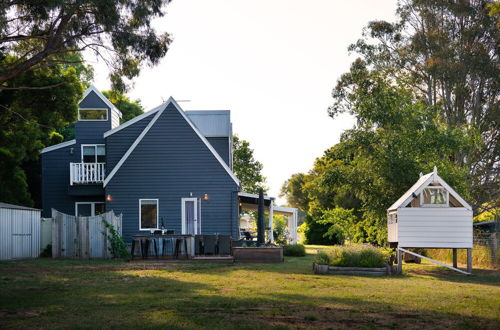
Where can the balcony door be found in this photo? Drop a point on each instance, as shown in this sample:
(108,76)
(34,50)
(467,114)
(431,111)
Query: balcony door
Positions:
(93,153)
(191,217)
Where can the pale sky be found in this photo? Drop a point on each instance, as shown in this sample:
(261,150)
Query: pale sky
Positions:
(273,63)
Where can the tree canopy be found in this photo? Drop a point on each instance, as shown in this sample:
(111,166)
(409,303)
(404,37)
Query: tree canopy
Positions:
(246,167)
(40,33)
(128,108)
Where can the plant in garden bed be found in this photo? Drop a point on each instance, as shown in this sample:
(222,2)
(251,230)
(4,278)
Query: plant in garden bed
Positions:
(294,250)
(353,256)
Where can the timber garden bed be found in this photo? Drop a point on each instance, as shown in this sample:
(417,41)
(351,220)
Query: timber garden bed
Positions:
(370,271)
(258,254)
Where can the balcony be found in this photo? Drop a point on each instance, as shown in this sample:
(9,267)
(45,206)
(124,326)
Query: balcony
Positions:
(86,173)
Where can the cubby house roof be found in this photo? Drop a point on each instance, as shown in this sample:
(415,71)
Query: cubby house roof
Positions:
(423,182)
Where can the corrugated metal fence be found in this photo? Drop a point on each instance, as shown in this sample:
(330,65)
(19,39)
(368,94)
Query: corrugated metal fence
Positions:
(19,232)
(82,237)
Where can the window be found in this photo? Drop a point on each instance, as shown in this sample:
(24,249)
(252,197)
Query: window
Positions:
(434,196)
(93,114)
(93,153)
(89,209)
(148,214)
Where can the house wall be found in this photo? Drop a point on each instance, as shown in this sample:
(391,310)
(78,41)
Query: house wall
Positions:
(92,131)
(55,181)
(435,227)
(171,162)
(222,146)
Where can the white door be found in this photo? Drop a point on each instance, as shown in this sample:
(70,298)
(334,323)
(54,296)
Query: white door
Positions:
(190,216)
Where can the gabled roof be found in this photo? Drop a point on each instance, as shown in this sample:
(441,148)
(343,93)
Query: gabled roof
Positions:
(58,146)
(92,88)
(158,111)
(423,182)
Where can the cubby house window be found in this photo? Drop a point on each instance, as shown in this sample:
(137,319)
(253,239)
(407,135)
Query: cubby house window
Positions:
(148,214)
(93,114)
(434,196)
(93,153)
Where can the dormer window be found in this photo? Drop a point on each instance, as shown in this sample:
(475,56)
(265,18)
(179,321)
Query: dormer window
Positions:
(93,114)
(434,197)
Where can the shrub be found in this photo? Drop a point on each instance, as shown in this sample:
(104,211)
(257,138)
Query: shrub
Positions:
(354,256)
(118,247)
(294,250)
(322,258)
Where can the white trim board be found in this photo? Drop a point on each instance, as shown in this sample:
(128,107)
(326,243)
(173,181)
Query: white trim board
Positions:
(58,146)
(133,120)
(157,213)
(111,106)
(146,130)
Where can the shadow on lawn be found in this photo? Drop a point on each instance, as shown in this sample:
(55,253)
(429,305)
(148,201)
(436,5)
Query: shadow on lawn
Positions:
(114,295)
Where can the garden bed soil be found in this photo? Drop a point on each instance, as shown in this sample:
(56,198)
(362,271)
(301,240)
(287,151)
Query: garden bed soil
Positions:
(258,254)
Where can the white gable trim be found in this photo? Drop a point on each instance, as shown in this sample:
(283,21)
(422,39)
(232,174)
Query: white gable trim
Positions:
(433,177)
(111,106)
(58,146)
(133,121)
(132,147)
(159,111)
(209,146)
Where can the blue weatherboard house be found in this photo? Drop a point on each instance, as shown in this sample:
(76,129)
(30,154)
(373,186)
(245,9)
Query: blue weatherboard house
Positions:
(166,168)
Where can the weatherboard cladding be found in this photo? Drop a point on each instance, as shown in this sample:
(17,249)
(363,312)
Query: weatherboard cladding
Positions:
(92,131)
(171,162)
(55,181)
(221,145)
(118,143)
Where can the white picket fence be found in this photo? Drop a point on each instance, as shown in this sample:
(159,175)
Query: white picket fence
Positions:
(82,237)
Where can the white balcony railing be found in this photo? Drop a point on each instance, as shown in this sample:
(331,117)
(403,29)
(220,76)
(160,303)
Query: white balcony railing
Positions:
(82,173)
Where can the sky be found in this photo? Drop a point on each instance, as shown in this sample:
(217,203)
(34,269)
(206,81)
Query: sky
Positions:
(273,63)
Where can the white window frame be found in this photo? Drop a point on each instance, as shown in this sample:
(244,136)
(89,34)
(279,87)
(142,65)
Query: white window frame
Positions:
(446,204)
(197,217)
(95,149)
(92,207)
(157,213)
(95,109)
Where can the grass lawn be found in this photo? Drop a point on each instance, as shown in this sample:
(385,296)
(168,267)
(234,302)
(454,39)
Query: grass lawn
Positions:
(46,293)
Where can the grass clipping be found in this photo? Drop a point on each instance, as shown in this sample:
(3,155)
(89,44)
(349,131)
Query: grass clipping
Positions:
(353,256)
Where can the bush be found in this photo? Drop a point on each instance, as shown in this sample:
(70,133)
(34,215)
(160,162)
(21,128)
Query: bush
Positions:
(354,256)
(294,250)
(481,256)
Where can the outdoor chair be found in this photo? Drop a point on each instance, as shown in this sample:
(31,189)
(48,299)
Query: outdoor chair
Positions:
(209,242)
(198,244)
(224,245)
(181,247)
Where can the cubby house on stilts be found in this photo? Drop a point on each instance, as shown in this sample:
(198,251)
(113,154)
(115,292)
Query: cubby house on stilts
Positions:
(431,215)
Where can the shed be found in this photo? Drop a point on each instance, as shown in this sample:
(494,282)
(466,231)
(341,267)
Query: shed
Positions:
(430,215)
(19,232)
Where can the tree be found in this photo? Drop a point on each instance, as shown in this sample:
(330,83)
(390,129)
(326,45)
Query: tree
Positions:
(129,109)
(247,169)
(30,120)
(40,33)
(444,53)
(293,190)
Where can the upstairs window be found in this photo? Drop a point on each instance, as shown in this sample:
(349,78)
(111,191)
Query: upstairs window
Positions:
(93,153)
(434,196)
(93,114)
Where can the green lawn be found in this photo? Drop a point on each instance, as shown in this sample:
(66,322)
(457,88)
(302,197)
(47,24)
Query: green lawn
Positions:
(48,293)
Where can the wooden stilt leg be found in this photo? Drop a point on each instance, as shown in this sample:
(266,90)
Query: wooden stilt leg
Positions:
(400,261)
(469,260)
(455,259)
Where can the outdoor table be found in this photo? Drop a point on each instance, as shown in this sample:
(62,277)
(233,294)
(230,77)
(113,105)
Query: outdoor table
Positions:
(157,243)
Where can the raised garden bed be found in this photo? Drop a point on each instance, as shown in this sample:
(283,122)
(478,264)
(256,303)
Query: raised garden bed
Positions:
(258,254)
(371,271)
